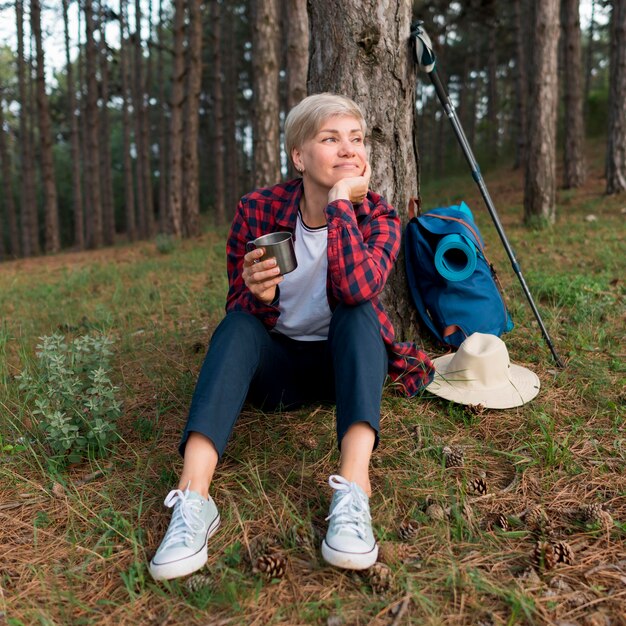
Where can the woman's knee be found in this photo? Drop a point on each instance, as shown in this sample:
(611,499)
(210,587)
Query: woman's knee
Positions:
(354,323)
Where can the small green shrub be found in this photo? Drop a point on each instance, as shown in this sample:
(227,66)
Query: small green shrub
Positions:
(70,397)
(165,244)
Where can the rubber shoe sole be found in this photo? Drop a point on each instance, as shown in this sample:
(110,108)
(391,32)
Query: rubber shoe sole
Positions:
(349,560)
(188,565)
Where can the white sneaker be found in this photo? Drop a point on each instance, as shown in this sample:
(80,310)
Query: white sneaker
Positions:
(349,542)
(183,549)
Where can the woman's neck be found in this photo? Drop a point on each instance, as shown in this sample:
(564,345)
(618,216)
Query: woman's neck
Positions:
(312,204)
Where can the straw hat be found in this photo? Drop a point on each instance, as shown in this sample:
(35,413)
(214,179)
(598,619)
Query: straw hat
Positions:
(480,372)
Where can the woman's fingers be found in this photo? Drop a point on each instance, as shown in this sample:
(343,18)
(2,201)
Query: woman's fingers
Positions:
(261,277)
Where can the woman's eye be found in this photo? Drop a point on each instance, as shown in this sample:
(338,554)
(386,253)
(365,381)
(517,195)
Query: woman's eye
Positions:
(328,139)
(358,140)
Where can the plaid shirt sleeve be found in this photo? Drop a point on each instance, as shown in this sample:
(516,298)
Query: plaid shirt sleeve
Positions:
(360,256)
(239,296)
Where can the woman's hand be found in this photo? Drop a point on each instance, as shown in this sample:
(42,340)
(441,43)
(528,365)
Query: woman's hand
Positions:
(353,189)
(261,277)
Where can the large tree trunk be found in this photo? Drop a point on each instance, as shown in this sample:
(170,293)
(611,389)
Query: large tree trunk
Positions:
(145,121)
(191,199)
(77,189)
(574,157)
(175,205)
(138,112)
(92,143)
(108,209)
(589,57)
(51,207)
(30,221)
(361,48)
(15,247)
(129,182)
(616,144)
(218,143)
(540,188)
(265,63)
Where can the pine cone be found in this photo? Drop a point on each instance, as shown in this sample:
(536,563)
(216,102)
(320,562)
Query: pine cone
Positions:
(198,581)
(594,513)
(543,556)
(379,577)
(393,553)
(407,530)
(435,512)
(453,456)
(497,520)
(475,409)
(271,565)
(302,535)
(309,442)
(538,522)
(563,552)
(478,486)
(260,546)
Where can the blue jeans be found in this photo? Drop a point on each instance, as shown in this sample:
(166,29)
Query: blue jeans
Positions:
(271,371)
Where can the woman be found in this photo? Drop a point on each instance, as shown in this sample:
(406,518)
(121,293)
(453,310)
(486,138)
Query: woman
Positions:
(318,333)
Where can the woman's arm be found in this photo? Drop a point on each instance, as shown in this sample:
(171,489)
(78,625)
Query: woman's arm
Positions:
(360,259)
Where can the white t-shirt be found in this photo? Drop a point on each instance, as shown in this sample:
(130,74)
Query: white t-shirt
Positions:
(304,311)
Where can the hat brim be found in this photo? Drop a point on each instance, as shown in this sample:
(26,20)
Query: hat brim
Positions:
(524,386)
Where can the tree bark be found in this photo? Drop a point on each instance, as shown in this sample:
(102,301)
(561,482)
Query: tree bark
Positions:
(589,57)
(108,210)
(574,157)
(218,143)
(540,187)
(92,143)
(7,181)
(30,221)
(265,63)
(129,182)
(361,49)
(176,123)
(77,188)
(191,199)
(138,112)
(616,144)
(492,91)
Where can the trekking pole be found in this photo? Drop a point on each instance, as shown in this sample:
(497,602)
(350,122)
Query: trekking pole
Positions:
(425,59)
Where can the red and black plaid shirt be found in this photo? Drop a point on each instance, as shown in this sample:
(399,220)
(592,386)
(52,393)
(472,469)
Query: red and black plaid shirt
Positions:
(363,243)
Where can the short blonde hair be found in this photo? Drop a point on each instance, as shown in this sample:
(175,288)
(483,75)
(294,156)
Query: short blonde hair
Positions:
(306,118)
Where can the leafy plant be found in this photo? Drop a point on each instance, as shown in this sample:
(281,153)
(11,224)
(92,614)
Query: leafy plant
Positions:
(71,399)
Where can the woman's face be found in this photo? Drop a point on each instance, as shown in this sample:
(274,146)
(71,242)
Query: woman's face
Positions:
(337,151)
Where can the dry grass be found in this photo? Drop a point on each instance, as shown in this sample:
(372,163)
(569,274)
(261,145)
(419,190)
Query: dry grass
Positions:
(75,546)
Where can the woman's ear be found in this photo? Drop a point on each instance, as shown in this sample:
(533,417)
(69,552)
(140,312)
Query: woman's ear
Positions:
(296,157)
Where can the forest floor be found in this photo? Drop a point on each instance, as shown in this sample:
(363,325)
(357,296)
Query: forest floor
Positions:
(75,545)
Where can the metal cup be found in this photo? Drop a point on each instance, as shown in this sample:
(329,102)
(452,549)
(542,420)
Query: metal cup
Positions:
(278,246)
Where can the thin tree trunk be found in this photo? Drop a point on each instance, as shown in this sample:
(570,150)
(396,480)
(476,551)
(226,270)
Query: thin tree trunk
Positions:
(92,143)
(297,56)
(15,247)
(108,209)
(77,189)
(378,74)
(145,127)
(589,57)
(191,199)
(540,187)
(162,127)
(265,63)
(218,114)
(129,183)
(137,88)
(175,205)
(574,157)
(492,93)
(51,206)
(521,87)
(231,89)
(30,221)
(616,144)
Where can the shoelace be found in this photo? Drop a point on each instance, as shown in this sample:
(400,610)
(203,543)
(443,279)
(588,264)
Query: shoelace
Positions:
(185,519)
(352,508)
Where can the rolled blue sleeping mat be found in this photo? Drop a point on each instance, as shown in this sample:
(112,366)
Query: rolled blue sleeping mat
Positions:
(455,257)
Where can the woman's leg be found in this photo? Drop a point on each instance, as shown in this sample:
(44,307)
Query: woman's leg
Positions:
(360,366)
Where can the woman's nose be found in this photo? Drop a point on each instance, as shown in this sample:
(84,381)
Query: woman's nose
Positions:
(346,147)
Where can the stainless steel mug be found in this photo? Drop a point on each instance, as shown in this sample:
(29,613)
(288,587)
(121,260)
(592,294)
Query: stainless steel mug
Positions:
(278,246)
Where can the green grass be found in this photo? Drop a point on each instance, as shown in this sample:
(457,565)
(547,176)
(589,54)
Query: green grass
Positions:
(75,551)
